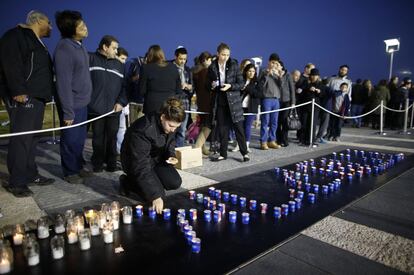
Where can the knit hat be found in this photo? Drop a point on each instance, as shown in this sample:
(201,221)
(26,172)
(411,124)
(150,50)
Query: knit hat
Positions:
(314,72)
(274,56)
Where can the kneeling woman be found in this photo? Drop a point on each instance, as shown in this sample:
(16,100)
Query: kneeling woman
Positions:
(148,154)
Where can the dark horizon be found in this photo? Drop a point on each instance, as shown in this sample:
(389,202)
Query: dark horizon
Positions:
(326,33)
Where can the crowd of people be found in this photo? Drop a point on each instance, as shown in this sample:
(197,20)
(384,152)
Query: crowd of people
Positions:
(228,95)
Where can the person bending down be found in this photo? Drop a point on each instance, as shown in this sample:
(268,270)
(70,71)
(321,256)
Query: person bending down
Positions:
(148,154)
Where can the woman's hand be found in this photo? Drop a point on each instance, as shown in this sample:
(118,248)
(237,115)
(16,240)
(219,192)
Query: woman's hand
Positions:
(158,205)
(172,160)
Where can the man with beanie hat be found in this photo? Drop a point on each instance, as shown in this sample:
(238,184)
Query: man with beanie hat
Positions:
(269,84)
(312,89)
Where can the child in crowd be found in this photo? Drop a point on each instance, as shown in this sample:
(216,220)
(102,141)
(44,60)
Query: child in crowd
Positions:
(340,106)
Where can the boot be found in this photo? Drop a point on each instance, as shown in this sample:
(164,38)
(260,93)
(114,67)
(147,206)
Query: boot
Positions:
(263,146)
(273,145)
(201,139)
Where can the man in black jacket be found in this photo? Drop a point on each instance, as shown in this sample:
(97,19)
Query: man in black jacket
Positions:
(147,154)
(27,84)
(108,93)
(226,81)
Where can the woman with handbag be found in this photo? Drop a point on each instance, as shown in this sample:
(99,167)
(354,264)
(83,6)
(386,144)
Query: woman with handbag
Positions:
(287,99)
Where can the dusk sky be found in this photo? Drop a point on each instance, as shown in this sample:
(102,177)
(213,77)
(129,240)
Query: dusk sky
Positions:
(326,33)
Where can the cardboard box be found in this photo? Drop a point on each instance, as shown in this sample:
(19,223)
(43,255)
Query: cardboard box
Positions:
(188,157)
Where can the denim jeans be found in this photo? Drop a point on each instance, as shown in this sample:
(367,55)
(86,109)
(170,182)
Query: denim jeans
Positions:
(269,121)
(357,110)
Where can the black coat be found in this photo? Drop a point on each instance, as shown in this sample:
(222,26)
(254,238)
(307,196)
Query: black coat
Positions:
(308,95)
(145,145)
(25,65)
(108,84)
(253,90)
(232,95)
(158,83)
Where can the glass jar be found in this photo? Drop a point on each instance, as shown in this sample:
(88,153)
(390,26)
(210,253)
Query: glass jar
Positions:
(84,239)
(79,222)
(115,219)
(43,228)
(108,232)
(72,232)
(89,214)
(94,225)
(127,214)
(101,218)
(59,224)
(57,245)
(31,250)
(6,258)
(18,234)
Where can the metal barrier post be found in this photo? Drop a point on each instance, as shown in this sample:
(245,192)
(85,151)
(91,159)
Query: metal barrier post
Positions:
(405,132)
(382,119)
(311,126)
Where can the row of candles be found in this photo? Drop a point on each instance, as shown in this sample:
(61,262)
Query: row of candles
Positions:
(102,222)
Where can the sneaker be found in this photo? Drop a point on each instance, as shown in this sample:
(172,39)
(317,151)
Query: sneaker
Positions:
(219,158)
(248,147)
(246,158)
(322,141)
(236,149)
(19,191)
(263,146)
(41,180)
(74,179)
(273,145)
(314,145)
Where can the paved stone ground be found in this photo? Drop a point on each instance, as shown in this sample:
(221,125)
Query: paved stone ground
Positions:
(103,187)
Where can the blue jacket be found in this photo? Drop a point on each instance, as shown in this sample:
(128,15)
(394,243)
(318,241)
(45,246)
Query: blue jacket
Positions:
(73,80)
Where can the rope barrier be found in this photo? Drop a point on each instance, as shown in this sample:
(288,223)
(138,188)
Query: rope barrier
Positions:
(195,112)
(347,117)
(398,111)
(56,129)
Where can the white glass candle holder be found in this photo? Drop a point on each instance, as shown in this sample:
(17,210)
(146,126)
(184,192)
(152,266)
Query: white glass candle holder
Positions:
(18,234)
(79,222)
(94,225)
(59,224)
(31,250)
(115,219)
(69,214)
(72,232)
(6,258)
(108,232)
(43,228)
(89,214)
(127,214)
(102,218)
(115,205)
(84,239)
(57,245)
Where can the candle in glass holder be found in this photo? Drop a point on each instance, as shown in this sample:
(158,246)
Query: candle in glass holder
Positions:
(6,258)
(59,224)
(94,225)
(31,250)
(89,214)
(69,214)
(127,214)
(57,245)
(84,239)
(115,205)
(72,232)
(101,218)
(115,219)
(79,222)
(108,232)
(18,233)
(43,228)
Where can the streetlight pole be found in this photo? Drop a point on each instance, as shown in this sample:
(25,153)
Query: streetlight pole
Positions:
(391,63)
